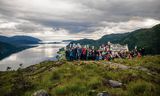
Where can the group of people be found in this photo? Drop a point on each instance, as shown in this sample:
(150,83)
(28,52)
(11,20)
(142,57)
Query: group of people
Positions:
(104,52)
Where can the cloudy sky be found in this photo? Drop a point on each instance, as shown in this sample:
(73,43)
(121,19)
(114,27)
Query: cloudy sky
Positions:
(75,19)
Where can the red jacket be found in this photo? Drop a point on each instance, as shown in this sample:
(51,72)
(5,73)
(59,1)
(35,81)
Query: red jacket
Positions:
(83,51)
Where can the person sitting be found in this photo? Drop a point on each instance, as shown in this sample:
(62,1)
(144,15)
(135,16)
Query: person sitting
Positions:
(139,55)
(97,57)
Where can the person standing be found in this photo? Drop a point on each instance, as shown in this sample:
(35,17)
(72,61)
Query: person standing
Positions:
(71,55)
(84,53)
(79,51)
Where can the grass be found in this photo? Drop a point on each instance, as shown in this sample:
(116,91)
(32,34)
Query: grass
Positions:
(84,78)
(141,88)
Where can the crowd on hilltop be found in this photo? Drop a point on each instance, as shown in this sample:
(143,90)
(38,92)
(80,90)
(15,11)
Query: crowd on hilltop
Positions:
(104,52)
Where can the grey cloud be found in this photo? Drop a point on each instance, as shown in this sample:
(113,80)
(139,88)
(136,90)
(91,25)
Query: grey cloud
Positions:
(72,26)
(80,16)
(29,27)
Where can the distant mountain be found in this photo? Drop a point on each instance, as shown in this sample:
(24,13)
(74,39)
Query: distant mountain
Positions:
(114,38)
(85,41)
(10,45)
(19,40)
(4,38)
(8,49)
(67,40)
(147,38)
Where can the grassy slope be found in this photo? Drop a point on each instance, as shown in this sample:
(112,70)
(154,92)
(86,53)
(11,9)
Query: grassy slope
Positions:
(84,78)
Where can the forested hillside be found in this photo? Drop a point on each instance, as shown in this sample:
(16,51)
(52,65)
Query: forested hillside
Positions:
(146,38)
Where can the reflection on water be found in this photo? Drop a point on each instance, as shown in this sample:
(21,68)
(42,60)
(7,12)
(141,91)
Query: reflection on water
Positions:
(31,56)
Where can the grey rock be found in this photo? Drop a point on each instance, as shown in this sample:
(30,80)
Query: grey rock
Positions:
(40,93)
(143,69)
(114,83)
(136,68)
(103,94)
(154,73)
(120,66)
(149,73)
(123,67)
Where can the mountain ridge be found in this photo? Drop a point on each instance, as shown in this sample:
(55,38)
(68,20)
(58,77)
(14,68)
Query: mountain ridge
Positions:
(146,37)
(19,39)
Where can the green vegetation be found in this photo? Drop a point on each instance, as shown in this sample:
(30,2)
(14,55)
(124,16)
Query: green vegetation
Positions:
(85,78)
(142,38)
(61,54)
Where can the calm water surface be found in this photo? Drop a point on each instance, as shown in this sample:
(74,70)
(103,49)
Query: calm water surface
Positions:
(31,56)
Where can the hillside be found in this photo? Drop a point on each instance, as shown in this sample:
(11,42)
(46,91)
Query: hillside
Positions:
(86,41)
(120,77)
(10,45)
(144,38)
(4,47)
(8,49)
(114,38)
(147,38)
